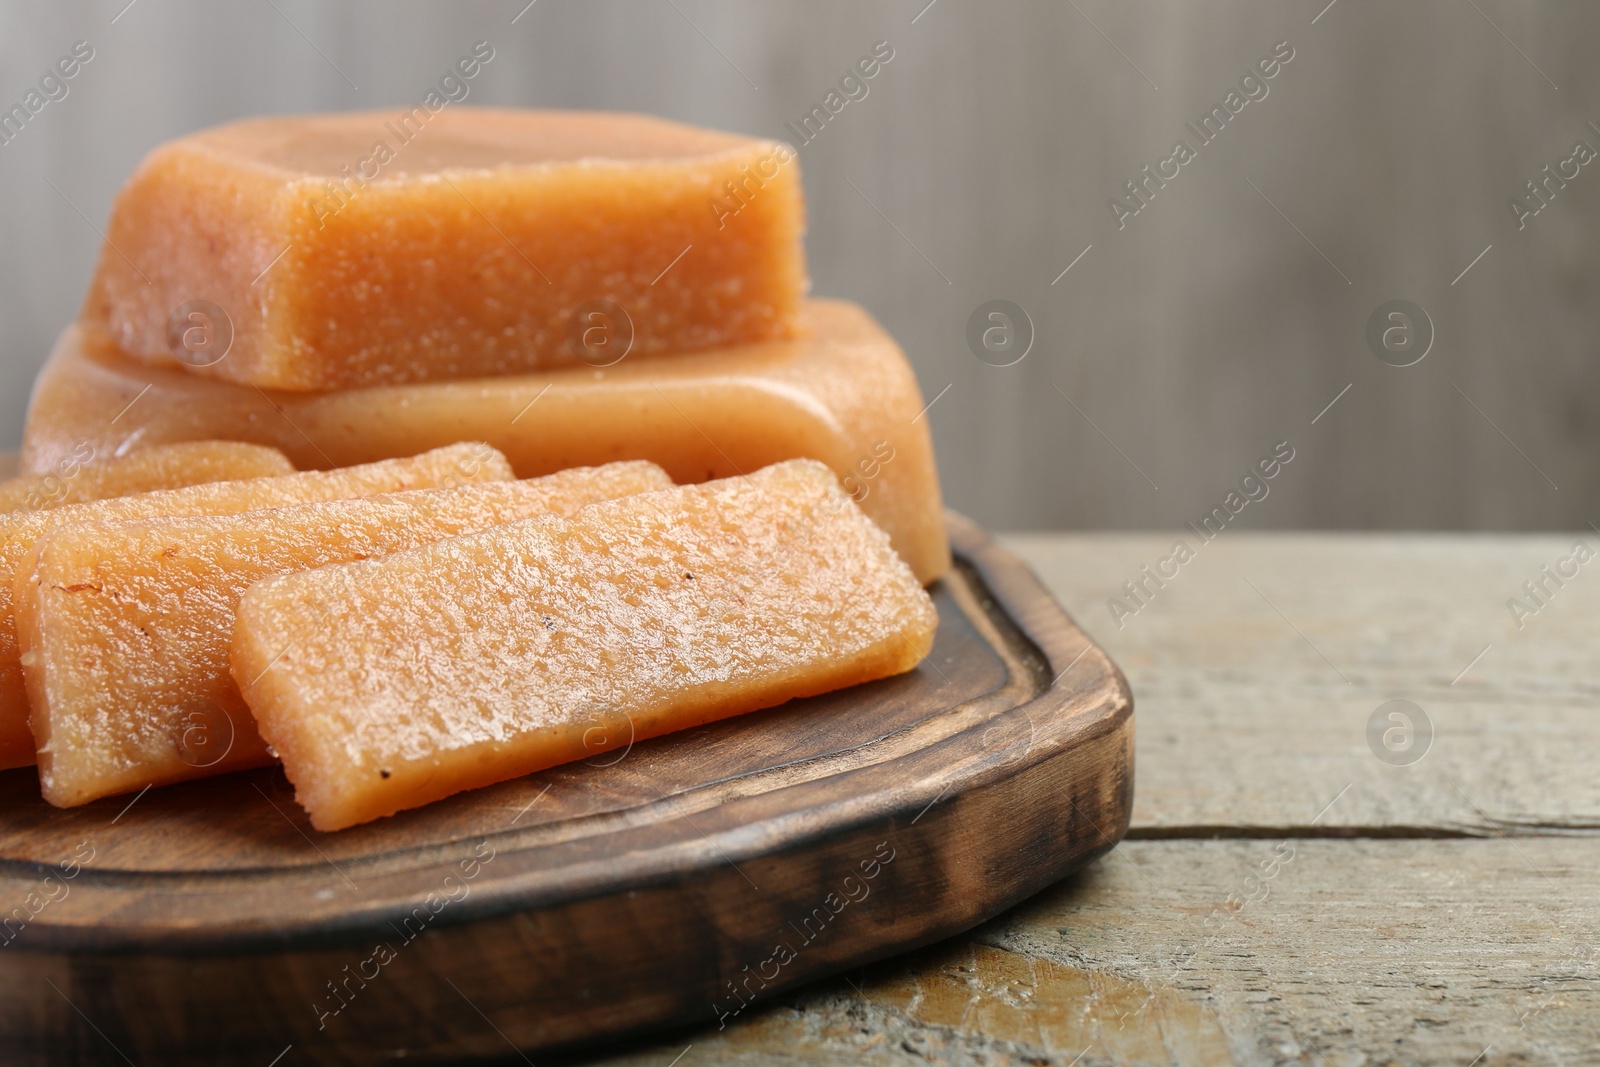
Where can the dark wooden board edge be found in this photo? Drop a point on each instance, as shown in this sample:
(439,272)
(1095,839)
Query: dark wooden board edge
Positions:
(604,965)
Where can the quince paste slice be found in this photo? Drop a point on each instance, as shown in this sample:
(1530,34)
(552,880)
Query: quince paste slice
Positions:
(126,626)
(455,465)
(387,684)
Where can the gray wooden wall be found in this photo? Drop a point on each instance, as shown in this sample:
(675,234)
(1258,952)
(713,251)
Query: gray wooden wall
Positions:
(1176,352)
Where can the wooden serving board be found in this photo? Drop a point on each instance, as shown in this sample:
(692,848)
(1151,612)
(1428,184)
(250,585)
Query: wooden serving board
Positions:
(671,882)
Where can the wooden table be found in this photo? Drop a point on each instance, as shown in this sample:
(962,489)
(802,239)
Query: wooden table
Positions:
(1286,895)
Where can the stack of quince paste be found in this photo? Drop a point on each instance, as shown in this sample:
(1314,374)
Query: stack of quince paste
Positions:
(421,457)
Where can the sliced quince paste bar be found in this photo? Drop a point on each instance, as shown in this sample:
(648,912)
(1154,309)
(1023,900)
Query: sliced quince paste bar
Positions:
(843,394)
(126,626)
(85,474)
(20,531)
(326,251)
(388,684)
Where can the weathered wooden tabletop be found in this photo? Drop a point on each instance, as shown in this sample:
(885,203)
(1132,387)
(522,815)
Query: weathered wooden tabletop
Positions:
(1291,891)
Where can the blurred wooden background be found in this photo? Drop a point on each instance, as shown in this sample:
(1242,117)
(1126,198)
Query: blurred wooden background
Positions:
(1177,350)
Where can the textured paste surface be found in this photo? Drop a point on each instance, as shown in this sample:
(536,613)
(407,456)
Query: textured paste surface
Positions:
(125,627)
(471,249)
(20,531)
(388,684)
(83,475)
(844,395)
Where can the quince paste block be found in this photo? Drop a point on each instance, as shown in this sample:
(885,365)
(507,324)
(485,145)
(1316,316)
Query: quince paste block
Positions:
(355,249)
(388,684)
(844,395)
(20,531)
(87,475)
(125,626)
